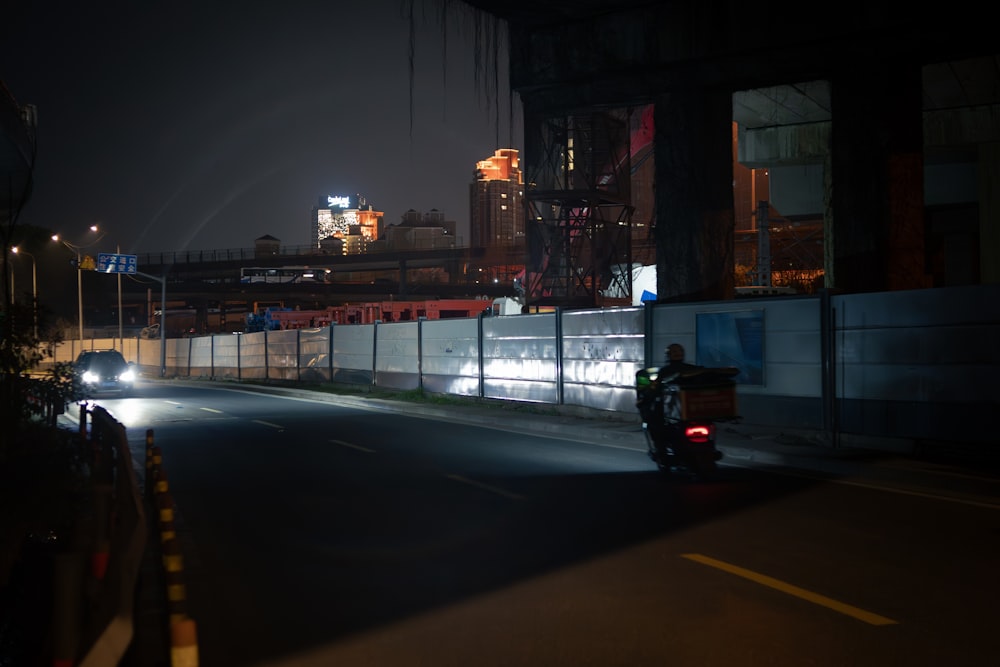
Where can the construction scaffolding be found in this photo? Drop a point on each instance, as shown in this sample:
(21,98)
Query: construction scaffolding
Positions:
(579,209)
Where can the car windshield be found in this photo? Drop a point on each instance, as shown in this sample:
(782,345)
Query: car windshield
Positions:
(102,361)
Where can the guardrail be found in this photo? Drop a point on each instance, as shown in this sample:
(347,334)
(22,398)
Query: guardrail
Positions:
(97,579)
(94,581)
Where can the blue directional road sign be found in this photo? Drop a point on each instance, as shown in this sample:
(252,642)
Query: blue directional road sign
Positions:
(109,262)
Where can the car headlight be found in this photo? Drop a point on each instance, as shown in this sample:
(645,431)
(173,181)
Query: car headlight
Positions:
(90,377)
(127,376)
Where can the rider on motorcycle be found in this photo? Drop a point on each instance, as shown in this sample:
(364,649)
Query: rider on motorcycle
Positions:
(675,362)
(650,397)
(677,424)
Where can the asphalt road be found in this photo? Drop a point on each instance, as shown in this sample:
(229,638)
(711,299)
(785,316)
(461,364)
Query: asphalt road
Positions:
(318,533)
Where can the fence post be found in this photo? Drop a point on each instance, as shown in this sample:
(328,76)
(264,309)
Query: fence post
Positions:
(375,352)
(559,356)
(67,605)
(828,356)
(329,350)
(83,424)
(479,353)
(647,338)
(101,550)
(420,352)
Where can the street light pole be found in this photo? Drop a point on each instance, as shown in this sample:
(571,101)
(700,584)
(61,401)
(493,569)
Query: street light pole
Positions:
(79,274)
(34,288)
(118,250)
(163,318)
(79,297)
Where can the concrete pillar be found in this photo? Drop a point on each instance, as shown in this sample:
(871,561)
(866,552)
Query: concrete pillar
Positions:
(989,213)
(694,196)
(877,230)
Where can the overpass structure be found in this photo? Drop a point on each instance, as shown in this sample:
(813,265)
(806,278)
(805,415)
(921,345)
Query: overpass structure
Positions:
(204,290)
(882,119)
(386,274)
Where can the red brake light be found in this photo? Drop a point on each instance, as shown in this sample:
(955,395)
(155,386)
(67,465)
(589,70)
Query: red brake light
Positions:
(698,432)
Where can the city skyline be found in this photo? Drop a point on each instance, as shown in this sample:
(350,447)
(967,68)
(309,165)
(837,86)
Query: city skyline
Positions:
(200,128)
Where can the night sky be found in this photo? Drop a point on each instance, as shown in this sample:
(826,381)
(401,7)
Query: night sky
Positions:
(204,125)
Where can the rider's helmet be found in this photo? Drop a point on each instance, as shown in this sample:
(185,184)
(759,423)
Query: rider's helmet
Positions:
(675,352)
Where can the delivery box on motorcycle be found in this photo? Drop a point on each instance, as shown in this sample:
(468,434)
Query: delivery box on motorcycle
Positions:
(711,400)
(699,394)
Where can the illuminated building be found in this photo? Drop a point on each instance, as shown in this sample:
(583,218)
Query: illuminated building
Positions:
(497,201)
(349,218)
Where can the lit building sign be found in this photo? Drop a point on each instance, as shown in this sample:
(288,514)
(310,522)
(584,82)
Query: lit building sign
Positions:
(342,216)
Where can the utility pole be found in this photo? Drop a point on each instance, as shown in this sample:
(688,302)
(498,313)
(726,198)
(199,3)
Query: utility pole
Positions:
(163,319)
(762,276)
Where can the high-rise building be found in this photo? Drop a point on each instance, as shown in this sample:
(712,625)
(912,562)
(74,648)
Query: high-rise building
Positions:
(349,218)
(416,231)
(497,201)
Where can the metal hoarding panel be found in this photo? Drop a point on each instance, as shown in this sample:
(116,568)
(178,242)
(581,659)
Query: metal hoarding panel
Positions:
(450,363)
(314,354)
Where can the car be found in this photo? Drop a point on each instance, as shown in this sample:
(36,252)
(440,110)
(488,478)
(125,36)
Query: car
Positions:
(104,371)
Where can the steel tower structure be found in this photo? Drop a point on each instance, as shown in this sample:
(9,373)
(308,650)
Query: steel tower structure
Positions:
(579,209)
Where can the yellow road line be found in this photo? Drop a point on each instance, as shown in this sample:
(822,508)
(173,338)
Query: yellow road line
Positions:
(815,598)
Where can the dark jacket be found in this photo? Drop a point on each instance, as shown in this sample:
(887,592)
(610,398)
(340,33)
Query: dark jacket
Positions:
(673,368)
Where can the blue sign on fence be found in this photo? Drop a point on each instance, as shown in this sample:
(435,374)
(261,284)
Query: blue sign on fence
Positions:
(108,262)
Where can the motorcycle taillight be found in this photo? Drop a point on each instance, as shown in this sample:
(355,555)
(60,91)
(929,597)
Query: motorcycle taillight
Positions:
(699,432)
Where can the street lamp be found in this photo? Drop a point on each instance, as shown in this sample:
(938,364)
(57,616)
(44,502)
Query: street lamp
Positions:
(118,250)
(79,272)
(34,288)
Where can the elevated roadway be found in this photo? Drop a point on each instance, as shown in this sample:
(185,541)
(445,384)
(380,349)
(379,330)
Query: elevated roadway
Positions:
(207,278)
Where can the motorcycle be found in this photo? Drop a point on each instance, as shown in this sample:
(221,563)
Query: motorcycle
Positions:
(679,412)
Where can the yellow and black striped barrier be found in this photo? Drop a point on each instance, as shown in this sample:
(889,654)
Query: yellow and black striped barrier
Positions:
(183,629)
